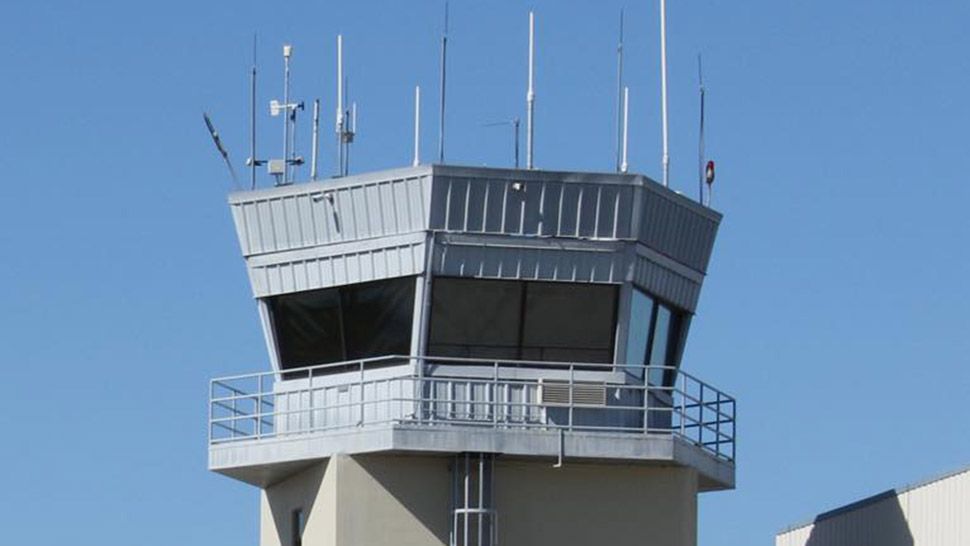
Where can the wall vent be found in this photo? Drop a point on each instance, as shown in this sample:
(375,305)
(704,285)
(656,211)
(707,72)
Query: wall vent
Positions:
(585,393)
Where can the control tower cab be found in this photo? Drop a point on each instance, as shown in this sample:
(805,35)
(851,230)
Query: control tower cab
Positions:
(474,356)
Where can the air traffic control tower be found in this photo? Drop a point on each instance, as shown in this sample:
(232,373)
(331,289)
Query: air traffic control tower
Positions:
(474,357)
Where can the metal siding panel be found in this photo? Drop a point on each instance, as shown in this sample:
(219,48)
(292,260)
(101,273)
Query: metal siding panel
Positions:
(494,206)
(531,197)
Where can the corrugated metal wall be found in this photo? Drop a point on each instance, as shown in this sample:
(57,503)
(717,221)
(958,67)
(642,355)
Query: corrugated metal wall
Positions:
(933,514)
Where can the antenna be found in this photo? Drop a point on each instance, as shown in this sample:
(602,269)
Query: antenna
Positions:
(514,123)
(316,139)
(620,128)
(700,143)
(417,125)
(663,89)
(222,151)
(340,105)
(441,111)
(252,162)
(287,52)
(531,96)
(626,122)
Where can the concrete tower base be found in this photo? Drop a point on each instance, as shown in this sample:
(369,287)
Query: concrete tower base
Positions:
(398,500)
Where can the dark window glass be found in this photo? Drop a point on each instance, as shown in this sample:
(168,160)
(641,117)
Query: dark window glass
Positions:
(475,319)
(664,344)
(569,322)
(519,320)
(345,323)
(308,327)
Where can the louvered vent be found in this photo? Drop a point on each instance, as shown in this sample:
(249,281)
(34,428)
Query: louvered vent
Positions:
(556,393)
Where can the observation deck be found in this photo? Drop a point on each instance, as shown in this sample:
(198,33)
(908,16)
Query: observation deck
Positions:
(263,426)
(541,315)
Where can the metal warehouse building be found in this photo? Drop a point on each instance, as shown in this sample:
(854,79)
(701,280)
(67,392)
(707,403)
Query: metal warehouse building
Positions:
(932,513)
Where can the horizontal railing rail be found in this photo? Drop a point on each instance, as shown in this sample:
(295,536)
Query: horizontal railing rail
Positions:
(441,392)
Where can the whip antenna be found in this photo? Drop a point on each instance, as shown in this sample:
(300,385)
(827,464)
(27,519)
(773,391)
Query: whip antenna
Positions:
(701,175)
(441,107)
(619,96)
(531,95)
(663,89)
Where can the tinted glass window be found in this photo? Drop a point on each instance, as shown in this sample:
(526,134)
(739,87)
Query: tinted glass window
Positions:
(519,320)
(345,323)
(641,318)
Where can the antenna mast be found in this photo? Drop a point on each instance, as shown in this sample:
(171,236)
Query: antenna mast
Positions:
(620,128)
(626,122)
(316,139)
(663,89)
(444,68)
(530,96)
(287,52)
(417,125)
(252,119)
(340,105)
(700,143)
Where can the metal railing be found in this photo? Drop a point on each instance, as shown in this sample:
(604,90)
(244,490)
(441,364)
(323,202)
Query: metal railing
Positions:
(472,393)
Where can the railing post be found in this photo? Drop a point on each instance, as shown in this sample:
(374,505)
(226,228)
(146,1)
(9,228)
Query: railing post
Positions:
(495,394)
(646,401)
(361,386)
(212,386)
(683,406)
(572,386)
(310,402)
(259,406)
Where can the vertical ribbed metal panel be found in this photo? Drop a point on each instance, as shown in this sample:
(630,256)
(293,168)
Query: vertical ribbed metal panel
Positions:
(539,207)
(675,230)
(525,263)
(666,284)
(931,514)
(311,215)
(334,270)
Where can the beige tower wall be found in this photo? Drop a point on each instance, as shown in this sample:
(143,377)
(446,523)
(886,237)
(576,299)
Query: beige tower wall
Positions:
(594,505)
(379,500)
(366,499)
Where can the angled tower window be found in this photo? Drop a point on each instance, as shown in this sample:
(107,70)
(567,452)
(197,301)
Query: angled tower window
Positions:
(345,323)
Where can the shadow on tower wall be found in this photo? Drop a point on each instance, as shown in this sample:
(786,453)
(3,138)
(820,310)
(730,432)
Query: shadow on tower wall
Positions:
(875,521)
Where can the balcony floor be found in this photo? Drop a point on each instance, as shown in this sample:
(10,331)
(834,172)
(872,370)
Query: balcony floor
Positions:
(265,461)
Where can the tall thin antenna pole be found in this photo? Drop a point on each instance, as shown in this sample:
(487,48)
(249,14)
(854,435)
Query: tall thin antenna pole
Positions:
(530,96)
(441,109)
(619,94)
(663,88)
(417,125)
(316,139)
(340,105)
(252,117)
(700,142)
(626,123)
(287,51)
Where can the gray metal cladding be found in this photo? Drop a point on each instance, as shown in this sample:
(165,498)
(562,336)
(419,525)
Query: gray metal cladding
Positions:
(532,207)
(529,262)
(666,284)
(491,223)
(399,258)
(672,227)
(320,213)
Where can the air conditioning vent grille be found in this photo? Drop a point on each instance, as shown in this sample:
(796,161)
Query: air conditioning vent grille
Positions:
(556,393)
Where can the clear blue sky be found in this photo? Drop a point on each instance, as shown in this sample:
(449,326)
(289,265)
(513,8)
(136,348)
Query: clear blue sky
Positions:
(837,307)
